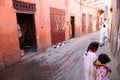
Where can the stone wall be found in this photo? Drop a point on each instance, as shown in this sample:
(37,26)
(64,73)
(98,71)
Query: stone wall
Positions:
(115,34)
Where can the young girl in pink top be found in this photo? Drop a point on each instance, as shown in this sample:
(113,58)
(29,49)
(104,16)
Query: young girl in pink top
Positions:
(102,72)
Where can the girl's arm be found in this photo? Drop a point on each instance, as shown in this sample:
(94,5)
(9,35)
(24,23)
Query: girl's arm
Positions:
(99,64)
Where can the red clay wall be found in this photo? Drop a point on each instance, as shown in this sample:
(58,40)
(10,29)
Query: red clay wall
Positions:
(9,42)
(9,49)
(42,22)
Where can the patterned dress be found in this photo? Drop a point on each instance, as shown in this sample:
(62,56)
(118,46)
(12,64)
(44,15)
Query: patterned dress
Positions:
(102,73)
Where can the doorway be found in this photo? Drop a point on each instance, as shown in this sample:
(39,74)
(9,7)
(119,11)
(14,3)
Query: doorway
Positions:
(26,32)
(72,27)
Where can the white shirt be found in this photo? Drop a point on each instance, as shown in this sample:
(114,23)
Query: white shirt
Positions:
(103,30)
(89,68)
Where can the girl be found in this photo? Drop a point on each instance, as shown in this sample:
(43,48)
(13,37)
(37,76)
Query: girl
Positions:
(102,72)
(88,58)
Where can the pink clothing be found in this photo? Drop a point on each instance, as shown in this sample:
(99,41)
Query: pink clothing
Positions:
(102,73)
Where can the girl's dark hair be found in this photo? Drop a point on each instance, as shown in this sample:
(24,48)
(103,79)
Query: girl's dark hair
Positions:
(103,58)
(93,45)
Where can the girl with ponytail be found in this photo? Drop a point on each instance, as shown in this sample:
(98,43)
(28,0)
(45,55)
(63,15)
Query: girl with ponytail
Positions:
(88,58)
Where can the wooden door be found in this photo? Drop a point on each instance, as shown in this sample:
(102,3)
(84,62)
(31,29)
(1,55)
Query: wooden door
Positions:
(90,24)
(57,20)
(83,22)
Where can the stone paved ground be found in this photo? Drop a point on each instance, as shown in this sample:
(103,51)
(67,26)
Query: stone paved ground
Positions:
(61,63)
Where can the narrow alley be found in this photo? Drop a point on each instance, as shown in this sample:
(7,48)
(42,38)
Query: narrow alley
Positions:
(62,63)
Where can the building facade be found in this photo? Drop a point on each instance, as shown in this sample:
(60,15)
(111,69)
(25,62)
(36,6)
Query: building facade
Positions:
(74,8)
(115,31)
(91,12)
(32,26)
(85,16)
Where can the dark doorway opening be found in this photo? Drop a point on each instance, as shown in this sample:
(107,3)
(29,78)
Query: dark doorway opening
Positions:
(26,32)
(72,27)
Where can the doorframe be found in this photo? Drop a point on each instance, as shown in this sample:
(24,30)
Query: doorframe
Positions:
(35,46)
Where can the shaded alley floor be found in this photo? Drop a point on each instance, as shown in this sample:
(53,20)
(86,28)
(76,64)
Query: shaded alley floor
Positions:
(62,63)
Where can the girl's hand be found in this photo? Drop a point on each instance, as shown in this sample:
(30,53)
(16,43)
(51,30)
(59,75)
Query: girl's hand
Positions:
(109,70)
(95,63)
